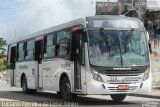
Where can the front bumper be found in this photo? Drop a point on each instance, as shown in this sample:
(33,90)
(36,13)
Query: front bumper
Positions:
(95,87)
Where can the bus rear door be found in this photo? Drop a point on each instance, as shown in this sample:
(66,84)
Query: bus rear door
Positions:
(38,58)
(11,64)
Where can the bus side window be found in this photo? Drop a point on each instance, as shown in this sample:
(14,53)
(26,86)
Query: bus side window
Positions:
(64,49)
(49,45)
(30,45)
(21,51)
(63,43)
(11,55)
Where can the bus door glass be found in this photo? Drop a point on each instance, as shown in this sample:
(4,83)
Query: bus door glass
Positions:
(38,58)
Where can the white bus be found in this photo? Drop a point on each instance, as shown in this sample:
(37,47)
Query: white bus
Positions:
(89,56)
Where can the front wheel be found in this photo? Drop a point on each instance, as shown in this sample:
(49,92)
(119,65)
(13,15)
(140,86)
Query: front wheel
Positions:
(118,97)
(66,90)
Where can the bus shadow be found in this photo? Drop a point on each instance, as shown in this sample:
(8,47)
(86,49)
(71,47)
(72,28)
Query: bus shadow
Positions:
(50,97)
(20,96)
(96,101)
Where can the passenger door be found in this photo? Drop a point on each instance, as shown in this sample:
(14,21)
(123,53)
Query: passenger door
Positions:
(77,58)
(11,64)
(38,58)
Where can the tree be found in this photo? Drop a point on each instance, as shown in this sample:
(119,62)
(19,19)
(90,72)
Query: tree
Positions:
(2,66)
(3,45)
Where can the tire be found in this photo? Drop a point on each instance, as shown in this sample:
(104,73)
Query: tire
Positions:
(25,86)
(118,97)
(66,90)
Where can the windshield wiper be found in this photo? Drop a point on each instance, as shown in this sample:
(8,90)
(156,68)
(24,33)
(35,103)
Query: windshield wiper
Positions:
(128,35)
(106,39)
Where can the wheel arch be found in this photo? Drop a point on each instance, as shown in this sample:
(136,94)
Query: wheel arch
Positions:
(62,76)
(22,76)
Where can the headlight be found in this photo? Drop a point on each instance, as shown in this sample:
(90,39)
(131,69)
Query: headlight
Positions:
(146,74)
(96,75)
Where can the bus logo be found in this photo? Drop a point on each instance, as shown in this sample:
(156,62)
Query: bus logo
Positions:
(121,68)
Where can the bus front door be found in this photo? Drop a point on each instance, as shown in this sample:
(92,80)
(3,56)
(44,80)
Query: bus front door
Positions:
(38,58)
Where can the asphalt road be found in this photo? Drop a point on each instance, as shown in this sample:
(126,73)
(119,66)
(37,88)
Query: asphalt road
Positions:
(14,94)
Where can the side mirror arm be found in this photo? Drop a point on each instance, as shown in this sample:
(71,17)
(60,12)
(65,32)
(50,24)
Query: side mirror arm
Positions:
(150,48)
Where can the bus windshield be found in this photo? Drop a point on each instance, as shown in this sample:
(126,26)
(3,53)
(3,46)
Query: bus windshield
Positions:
(133,52)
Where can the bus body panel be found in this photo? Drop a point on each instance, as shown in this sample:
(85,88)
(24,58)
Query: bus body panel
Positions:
(52,70)
(28,68)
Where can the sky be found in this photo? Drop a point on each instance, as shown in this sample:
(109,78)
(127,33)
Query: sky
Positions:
(19,18)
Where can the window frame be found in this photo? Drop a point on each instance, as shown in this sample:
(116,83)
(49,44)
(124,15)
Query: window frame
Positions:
(45,46)
(29,49)
(66,42)
(68,57)
(17,56)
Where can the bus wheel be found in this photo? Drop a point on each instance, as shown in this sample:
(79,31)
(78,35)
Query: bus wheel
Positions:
(66,90)
(118,97)
(25,86)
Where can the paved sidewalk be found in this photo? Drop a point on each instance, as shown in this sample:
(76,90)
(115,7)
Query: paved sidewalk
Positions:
(2,82)
(4,86)
(155,93)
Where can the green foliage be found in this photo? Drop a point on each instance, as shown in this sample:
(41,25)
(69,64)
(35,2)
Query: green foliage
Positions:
(2,66)
(3,45)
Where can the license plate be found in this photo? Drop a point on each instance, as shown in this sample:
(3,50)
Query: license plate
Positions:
(123,87)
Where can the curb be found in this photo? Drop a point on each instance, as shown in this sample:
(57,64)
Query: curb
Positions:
(145,95)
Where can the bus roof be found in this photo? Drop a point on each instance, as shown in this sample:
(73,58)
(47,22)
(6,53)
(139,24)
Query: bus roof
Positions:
(50,30)
(69,24)
(113,17)
(114,22)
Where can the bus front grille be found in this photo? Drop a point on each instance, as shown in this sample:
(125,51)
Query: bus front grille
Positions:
(134,74)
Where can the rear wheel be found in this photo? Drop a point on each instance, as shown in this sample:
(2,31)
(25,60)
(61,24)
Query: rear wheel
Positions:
(118,97)
(25,88)
(66,90)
